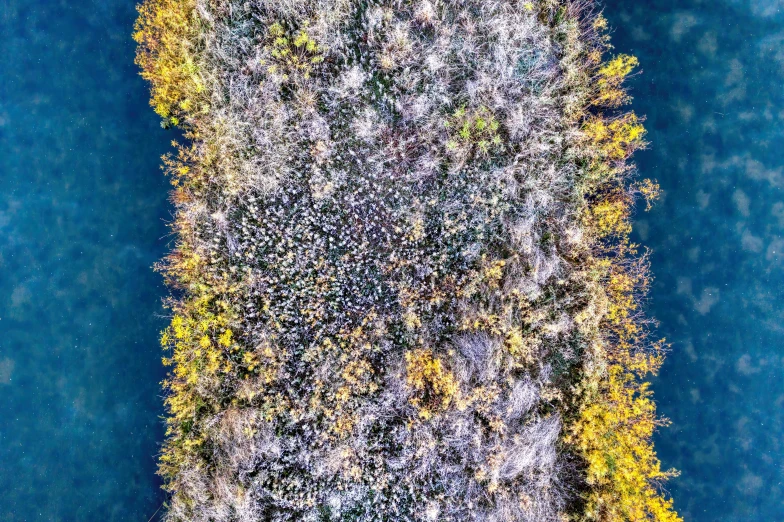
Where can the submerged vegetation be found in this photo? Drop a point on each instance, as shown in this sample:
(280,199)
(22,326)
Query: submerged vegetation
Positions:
(403,285)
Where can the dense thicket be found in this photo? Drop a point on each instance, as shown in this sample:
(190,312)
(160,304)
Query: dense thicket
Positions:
(402,282)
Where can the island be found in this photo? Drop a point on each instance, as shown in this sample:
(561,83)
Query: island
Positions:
(402,281)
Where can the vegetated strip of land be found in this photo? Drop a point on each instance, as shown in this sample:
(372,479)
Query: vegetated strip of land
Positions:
(402,282)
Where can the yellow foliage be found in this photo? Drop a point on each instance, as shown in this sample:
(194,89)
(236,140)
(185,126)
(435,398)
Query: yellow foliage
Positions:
(522,348)
(494,272)
(600,23)
(225,338)
(620,288)
(198,359)
(433,385)
(610,218)
(163,31)
(617,416)
(611,77)
(613,433)
(618,68)
(411,320)
(615,139)
(649,190)
(489,323)
(251,360)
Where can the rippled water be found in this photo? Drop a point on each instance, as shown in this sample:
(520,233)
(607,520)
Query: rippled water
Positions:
(712,89)
(82,219)
(82,209)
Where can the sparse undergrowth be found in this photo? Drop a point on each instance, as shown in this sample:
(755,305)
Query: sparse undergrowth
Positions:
(403,287)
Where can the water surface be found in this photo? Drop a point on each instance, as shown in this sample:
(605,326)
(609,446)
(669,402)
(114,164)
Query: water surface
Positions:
(82,209)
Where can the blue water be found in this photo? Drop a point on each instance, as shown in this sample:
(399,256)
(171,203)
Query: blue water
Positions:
(82,219)
(712,88)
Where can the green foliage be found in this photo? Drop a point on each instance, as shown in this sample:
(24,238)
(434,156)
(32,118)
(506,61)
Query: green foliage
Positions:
(292,54)
(475,130)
